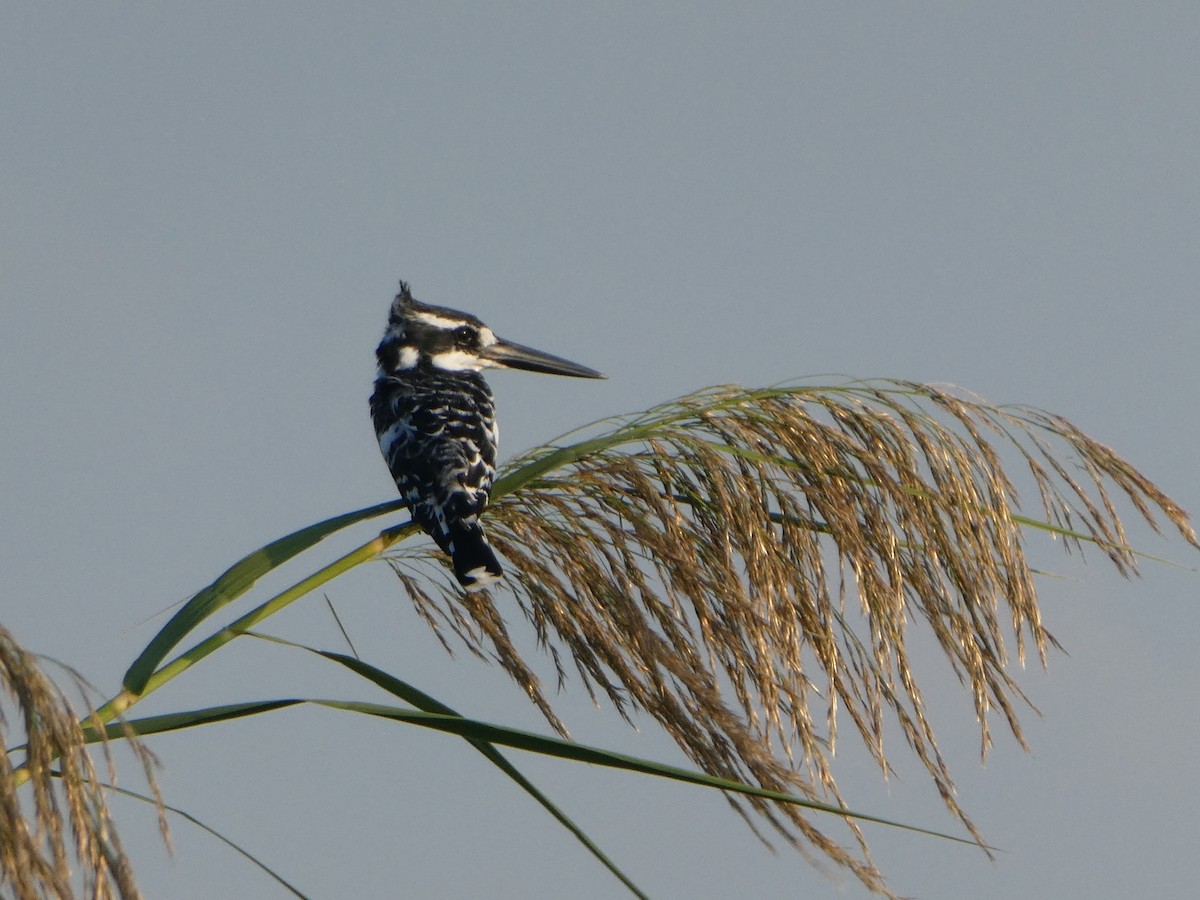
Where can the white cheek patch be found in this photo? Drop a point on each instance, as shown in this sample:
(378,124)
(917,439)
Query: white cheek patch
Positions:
(456,361)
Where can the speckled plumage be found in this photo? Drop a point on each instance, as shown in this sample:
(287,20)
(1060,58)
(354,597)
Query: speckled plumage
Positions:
(438,434)
(436,422)
(437,431)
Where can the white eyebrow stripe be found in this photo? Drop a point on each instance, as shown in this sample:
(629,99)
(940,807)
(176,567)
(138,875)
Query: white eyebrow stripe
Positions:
(437,321)
(487,337)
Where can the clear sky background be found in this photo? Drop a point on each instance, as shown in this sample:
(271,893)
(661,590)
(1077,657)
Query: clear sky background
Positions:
(204,209)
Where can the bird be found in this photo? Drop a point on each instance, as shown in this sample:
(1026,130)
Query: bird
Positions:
(435,419)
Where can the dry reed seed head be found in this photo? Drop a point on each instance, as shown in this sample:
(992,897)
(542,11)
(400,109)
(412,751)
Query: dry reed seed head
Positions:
(35,850)
(686,559)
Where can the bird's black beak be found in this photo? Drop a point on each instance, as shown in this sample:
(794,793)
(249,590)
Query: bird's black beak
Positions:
(516,356)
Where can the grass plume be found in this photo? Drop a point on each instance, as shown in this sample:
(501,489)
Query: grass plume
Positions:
(66,818)
(743,567)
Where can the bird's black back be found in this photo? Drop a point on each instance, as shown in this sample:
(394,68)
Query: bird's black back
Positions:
(437,430)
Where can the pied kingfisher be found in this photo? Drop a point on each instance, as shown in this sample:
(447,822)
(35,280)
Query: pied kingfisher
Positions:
(436,422)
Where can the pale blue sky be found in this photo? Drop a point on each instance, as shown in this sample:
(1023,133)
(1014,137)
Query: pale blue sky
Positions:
(204,211)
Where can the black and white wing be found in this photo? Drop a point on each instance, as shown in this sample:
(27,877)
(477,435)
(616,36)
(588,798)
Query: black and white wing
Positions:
(438,435)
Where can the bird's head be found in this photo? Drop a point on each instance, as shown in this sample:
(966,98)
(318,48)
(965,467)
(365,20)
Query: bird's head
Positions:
(421,335)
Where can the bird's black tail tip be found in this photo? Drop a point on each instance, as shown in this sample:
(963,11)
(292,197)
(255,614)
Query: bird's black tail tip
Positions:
(475,565)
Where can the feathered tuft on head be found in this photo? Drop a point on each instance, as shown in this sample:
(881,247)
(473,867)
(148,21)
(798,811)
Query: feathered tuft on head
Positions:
(401,305)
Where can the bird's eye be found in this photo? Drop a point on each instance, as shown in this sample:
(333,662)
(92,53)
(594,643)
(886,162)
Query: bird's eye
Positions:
(466,336)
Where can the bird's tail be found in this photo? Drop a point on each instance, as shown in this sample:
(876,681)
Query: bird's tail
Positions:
(475,564)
